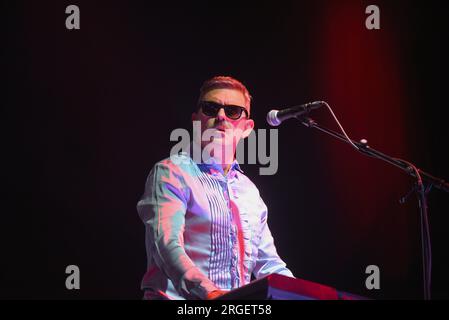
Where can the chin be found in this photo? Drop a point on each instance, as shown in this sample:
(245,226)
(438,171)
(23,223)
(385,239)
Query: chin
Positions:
(220,143)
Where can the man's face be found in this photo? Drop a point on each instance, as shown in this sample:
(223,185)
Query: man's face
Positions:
(226,131)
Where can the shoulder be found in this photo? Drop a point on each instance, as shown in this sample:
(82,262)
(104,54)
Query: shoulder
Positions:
(178,164)
(246,180)
(247,186)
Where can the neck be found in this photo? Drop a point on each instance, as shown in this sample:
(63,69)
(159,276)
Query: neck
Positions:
(226,162)
(225,158)
(226,168)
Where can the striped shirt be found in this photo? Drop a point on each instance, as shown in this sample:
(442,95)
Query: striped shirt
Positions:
(204,230)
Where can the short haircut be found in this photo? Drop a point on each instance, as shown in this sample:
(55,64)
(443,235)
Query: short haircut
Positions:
(224,82)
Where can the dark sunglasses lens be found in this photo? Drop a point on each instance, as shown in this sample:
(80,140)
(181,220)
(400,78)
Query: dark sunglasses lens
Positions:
(233,112)
(209,109)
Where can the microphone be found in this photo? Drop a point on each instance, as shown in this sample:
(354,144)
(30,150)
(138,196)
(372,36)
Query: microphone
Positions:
(275,117)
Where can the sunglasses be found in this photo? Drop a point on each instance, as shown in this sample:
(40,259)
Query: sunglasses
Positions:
(211,109)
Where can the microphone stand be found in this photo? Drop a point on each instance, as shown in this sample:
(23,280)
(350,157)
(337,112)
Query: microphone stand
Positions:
(419,188)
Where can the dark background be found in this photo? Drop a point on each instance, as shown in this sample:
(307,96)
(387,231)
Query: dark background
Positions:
(86,113)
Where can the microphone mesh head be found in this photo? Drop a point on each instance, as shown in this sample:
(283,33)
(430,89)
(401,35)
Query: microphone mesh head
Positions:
(272,118)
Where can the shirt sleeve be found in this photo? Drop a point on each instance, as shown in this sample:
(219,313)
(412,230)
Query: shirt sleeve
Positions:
(268,260)
(162,208)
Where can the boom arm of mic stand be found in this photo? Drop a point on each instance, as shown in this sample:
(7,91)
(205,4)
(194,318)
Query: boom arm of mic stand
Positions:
(365,149)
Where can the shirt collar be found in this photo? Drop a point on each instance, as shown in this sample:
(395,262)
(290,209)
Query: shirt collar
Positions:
(212,166)
(211,163)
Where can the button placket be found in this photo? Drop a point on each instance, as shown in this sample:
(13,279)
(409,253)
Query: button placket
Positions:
(235,277)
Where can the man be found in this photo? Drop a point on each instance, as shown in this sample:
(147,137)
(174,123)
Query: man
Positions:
(206,225)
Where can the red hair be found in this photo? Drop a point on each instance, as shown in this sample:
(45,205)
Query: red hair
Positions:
(224,82)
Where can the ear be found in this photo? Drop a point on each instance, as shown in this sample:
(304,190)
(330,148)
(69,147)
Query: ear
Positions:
(249,126)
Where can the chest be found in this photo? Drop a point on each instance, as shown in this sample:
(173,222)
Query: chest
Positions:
(223,203)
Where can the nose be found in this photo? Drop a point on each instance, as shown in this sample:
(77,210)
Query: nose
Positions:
(221,115)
